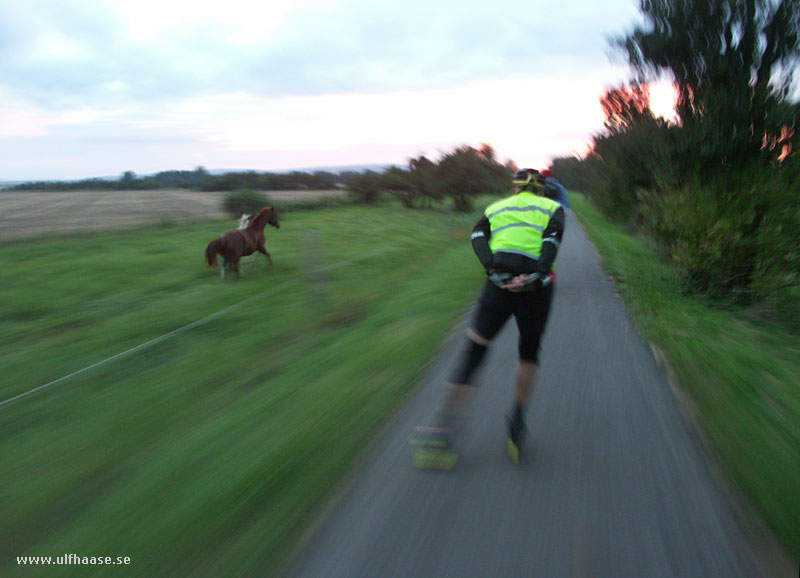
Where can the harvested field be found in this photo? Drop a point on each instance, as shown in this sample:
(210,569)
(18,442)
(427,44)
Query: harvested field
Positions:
(31,213)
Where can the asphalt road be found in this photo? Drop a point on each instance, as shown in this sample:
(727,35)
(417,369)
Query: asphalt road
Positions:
(615,483)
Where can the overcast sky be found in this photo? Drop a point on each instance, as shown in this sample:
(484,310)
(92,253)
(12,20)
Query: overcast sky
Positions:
(97,87)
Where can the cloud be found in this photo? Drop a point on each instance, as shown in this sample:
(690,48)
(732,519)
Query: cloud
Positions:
(102,53)
(149,85)
(521,121)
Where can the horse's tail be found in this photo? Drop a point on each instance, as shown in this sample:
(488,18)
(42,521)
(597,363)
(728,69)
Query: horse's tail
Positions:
(211,252)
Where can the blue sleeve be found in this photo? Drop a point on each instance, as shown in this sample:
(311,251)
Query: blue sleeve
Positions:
(562,197)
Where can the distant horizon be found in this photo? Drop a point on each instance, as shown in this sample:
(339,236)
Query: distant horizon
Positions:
(111,178)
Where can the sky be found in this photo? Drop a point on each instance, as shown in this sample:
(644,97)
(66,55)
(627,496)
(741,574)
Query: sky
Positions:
(92,88)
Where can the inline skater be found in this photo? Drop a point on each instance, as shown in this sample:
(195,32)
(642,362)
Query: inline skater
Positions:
(516,241)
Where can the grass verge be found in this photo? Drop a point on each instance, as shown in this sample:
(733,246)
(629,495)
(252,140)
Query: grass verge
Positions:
(208,453)
(740,374)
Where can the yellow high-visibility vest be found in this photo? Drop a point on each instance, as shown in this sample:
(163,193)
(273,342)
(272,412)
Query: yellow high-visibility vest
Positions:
(518,223)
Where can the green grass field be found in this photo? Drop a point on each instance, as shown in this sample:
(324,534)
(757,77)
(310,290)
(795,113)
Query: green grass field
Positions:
(740,373)
(208,452)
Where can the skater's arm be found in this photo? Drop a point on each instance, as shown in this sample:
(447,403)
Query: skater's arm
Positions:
(481,234)
(551,240)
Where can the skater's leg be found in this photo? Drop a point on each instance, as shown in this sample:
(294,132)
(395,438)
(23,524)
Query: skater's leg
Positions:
(494,309)
(526,381)
(460,390)
(531,316)
(434,446)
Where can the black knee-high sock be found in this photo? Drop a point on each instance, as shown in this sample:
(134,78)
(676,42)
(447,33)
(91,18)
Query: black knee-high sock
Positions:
(470,361)
(518,413)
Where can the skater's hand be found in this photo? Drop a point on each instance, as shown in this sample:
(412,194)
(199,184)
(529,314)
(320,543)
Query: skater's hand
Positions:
(516,284)
(530,282)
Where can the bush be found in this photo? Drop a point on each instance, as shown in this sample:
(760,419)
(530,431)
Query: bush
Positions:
(736,235)
(249,202)
(365,187)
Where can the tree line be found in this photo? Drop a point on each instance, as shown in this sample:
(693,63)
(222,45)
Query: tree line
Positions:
(200,179)
(720,187)
(459,176)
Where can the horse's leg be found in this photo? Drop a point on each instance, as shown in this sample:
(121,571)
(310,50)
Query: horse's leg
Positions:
(263,249)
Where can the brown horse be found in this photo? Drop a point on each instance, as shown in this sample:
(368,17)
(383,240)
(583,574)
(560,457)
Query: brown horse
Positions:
(234,245)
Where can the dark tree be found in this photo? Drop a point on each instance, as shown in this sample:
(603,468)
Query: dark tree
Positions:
(423,175)
(366,187)
(466,172)
(399,183)
(625,107)
(733,63)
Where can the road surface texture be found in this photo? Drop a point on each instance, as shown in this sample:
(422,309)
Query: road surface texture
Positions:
(615,484)
(31,213)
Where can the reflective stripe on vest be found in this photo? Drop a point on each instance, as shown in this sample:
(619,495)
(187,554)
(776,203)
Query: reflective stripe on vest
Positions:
(518,222)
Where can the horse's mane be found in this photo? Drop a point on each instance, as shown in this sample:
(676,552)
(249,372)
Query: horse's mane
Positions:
(260,219)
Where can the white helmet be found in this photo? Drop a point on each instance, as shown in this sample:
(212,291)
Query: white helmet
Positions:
(528,178)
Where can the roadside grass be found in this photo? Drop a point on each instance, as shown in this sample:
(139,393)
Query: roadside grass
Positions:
(740,374)
(210,452)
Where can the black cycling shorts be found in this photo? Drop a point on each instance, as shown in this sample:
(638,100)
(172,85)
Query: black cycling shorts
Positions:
(530,310)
